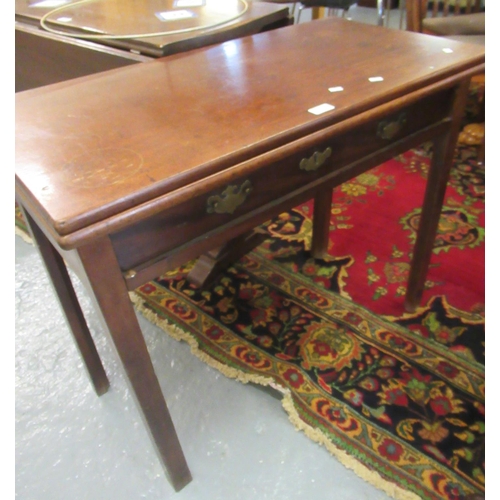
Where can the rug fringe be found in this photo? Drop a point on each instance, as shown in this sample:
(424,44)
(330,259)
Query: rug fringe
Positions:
(179,334)
(24,235)
(368,475)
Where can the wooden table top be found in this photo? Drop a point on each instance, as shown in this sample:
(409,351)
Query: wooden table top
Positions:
(155,28)
(93,147)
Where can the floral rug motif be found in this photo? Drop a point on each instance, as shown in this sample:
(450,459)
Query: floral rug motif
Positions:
(398,397)
(401,394)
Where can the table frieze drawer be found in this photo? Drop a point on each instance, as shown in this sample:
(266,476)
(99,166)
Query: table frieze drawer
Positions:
(385,130)
(263,180)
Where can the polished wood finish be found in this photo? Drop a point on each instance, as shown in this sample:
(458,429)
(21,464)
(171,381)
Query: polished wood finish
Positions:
(141,26)
(463,21)
(209,265)
(106,283)
(134,171)
(189,217)
(442,161)
(106,34)
(259,109)
(42,58)
(321,223)
(138,26)
(69,302)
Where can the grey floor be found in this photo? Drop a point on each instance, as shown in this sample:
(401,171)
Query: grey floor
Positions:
(72,445)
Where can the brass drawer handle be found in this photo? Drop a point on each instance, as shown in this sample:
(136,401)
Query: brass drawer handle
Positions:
(230,199)
(389,129)
(316,160)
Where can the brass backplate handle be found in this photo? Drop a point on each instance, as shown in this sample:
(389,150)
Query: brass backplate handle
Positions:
(316,160)
(230,199)
(389,129)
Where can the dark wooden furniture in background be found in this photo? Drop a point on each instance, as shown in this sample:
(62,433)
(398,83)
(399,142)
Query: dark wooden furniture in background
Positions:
(465,22)
(43,57)
(446,17)
(129,173)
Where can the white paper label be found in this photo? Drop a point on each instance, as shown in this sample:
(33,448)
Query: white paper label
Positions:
(189,3)
(49,3)
(322,108)
(174,15)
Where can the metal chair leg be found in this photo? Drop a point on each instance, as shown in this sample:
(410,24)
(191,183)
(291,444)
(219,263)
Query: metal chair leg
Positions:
(402,13)
(380,12)
(387,12)
(301,8)
(329,11)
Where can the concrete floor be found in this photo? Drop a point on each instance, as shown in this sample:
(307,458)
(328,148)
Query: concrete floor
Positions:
(71,444)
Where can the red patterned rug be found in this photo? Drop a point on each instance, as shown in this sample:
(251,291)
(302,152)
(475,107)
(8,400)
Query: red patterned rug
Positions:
(397,397)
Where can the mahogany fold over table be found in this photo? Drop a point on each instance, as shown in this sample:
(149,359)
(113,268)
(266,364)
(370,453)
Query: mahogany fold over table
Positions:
(129,173)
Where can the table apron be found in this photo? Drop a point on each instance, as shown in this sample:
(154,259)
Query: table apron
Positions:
(262,181)
(149,244)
